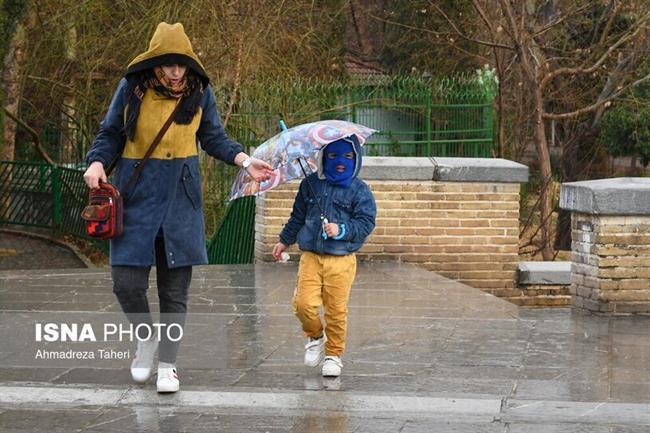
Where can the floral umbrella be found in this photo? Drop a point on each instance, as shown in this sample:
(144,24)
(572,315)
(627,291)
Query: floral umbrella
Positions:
(292,147)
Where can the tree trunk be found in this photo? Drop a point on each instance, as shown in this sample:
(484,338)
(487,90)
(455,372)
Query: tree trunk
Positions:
(365,35)
(546,190)
(501,130)
(570,171)
(11,77)
(68,126)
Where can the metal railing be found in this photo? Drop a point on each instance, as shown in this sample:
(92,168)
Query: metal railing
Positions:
(42,195)
(413,116)
(234,239)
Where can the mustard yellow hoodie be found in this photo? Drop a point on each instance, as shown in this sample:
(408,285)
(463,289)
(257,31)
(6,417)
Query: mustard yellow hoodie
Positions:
(169,44)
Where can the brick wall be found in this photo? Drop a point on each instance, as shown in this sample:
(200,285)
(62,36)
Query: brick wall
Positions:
(541,295)
(611,263)
(467,231)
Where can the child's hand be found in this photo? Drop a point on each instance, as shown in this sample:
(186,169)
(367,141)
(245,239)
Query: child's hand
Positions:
(331,229)
(278,249)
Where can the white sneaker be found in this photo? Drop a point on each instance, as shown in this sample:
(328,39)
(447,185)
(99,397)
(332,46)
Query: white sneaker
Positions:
(332,366)
(142,364)
(314,351)
(167,380)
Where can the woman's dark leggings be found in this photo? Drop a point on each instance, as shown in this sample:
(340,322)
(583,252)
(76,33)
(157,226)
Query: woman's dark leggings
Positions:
(130,284)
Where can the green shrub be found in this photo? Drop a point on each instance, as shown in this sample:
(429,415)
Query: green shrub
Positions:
(626,131)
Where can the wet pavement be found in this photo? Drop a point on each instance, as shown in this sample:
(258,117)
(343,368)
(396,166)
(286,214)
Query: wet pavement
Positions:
(424,354)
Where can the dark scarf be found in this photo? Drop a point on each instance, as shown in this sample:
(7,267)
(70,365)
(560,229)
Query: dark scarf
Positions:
(192,93)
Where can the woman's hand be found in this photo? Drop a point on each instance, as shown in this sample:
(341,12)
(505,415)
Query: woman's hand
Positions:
(260,170)
(278,249)
(94,174)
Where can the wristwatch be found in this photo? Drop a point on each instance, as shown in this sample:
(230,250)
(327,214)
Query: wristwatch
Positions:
(246,163)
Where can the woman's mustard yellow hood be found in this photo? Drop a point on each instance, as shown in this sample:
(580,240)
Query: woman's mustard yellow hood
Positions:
(169,44)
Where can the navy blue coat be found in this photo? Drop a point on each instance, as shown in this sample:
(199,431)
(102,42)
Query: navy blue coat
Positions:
(167,196)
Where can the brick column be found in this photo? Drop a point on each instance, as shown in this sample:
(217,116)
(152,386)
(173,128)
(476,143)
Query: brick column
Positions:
(610,248)
(458,217)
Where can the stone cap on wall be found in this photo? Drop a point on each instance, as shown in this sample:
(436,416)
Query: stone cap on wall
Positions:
(443,169)
(539,273)
(617,196)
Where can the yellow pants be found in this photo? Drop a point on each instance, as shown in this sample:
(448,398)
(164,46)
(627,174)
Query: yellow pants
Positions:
(325,280)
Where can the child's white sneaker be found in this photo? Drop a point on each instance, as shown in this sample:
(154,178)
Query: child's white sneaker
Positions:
(332,366)
(167,380)
(314,351)
(142,364)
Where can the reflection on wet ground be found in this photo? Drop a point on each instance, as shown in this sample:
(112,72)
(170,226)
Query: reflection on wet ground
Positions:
(424,353)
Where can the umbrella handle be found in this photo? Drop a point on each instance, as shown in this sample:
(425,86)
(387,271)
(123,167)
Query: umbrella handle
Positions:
(283,126)
(323,222)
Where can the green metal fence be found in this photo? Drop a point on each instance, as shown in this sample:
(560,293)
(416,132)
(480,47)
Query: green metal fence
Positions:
(42,195)
(413,116)
(234,240)
(38,194)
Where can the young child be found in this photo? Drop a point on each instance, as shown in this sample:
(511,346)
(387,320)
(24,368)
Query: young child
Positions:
(333,213)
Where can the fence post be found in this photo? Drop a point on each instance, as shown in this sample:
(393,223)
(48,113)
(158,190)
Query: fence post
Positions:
(429,96)
(56,196)
(42,176)
(491,119)
(353,103)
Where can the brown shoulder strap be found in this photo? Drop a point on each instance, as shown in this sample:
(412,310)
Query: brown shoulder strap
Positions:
(140,165)
(113,163)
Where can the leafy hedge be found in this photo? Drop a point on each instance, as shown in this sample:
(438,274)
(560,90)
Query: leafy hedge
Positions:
(626,131)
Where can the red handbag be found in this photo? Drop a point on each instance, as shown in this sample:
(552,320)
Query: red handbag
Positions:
(103,215)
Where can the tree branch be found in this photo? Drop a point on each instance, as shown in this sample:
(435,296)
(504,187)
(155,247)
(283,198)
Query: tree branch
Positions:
(596,105)
(483,15)
(625,64)
(560,20)
(507,10)
(614,8)
(406,26)
(464,36)
(34,134)
(582,70)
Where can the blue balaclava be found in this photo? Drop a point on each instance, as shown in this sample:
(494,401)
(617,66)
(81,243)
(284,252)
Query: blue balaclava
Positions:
(335,155)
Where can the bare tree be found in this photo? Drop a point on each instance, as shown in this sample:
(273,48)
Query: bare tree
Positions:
(535,32)
(13,65)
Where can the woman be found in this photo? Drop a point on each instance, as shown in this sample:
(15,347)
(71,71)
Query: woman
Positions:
(163,211)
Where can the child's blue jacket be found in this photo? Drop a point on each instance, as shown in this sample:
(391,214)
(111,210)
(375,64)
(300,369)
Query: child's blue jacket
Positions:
(353,206)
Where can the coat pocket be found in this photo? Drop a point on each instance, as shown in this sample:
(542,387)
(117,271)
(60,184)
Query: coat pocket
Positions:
(311,208)
(190,186)
(343,208)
